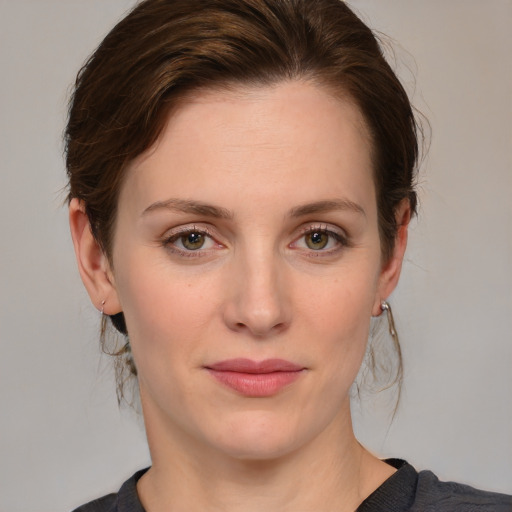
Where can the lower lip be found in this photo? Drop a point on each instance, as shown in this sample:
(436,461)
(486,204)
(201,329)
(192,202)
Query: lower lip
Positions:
(256,384)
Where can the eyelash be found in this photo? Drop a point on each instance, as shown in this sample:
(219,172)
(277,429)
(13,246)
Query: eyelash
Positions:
(168,242)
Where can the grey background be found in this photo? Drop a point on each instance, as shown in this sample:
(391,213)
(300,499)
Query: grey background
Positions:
(63,439)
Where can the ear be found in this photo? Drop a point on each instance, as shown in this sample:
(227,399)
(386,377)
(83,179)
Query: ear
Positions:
(93,264)
(390,272)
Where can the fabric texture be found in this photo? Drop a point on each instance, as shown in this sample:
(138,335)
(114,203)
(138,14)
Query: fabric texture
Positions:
(405,491)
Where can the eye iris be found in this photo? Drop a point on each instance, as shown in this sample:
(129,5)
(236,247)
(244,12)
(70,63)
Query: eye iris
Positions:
(317,240)
(193,241)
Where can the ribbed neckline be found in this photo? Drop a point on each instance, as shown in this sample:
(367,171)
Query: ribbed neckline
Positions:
(397,493)
(127,498)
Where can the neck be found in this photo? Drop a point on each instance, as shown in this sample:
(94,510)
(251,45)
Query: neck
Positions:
(331,472)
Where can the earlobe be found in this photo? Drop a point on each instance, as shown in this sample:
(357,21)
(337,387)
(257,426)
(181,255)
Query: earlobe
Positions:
(93,264)
(391,270)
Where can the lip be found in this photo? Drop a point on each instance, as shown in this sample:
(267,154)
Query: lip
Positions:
(256,378)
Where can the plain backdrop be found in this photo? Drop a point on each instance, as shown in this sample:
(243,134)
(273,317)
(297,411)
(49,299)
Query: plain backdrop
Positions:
(63,439)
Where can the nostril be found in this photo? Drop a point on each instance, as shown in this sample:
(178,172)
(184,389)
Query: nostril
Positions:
(279,327)
(259,331)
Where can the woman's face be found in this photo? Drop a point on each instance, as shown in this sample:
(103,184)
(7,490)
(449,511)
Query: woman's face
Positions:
(247,262)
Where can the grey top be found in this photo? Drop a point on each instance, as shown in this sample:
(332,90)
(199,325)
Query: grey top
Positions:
(405,491)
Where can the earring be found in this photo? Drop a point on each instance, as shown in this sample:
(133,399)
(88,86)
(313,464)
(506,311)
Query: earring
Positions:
(384,306)
(102,307)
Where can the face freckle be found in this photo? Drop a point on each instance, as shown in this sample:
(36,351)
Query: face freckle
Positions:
(253,171)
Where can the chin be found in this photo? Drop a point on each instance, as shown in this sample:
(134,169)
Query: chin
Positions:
(261,437)
(249,449)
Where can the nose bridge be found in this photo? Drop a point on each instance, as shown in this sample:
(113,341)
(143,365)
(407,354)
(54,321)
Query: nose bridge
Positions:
(259,303)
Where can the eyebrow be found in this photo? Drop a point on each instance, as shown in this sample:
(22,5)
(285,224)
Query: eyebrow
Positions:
(199,208)
(327,206)
(190,206)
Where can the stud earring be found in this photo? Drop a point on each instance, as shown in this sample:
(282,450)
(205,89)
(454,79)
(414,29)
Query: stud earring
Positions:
(102,307)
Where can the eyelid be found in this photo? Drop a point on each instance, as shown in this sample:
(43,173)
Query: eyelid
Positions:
(322,226)
(187,228)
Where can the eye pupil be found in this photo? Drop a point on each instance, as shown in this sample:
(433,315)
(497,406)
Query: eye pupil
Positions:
(193,241)
(317,240)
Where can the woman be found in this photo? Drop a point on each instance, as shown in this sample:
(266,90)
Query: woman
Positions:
(241,182)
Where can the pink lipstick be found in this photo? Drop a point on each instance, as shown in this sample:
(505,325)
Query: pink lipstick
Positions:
(253,378)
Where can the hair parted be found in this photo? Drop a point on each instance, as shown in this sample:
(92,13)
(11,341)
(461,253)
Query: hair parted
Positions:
(165,49)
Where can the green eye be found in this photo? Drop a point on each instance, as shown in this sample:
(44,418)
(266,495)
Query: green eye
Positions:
(193,241)
(190,242)
(317,240)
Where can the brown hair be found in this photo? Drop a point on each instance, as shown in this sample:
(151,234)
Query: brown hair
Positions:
(164,49)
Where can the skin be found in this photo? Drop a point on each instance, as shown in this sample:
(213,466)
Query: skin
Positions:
(255,289)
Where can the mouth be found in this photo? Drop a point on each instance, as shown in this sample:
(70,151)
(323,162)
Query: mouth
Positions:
(256,378)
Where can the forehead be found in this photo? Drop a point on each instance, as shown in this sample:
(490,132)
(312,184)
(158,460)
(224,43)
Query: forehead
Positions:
(291,138)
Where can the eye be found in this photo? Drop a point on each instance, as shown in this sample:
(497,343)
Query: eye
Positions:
(193,241)
(316,240)
(190,241)
(320,239)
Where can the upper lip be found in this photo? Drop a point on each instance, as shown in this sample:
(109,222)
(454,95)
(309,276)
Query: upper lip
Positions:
(241,365)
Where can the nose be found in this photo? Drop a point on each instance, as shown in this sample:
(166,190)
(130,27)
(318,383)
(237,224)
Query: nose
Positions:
(258,301)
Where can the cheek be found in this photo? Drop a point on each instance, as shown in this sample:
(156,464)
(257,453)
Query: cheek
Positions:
(343,299)
(166,313)
(338,316)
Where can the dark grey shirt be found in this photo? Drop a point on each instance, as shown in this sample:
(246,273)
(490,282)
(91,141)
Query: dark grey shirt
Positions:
(405,491)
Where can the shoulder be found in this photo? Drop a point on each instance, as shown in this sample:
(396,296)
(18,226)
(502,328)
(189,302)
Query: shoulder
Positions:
(126,500)
(105,504)
(434,495)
